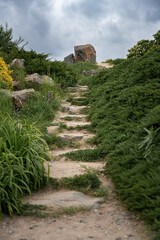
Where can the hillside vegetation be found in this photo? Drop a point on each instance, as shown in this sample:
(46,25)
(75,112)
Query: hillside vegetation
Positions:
(125,113)
(23,133)
(23,149)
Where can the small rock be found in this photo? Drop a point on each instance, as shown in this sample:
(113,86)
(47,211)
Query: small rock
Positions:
(100,213)
(34,226)
(74,227)
(79,238)
(61,228)
(23,239)
(83,221)
(119,238)
(90,237)
(95,210)
(131,236)
(3,227)
(135,224)
(51,221)
(10,232)
(124,214)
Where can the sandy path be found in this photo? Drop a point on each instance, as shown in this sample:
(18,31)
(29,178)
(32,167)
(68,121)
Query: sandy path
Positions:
(105,65)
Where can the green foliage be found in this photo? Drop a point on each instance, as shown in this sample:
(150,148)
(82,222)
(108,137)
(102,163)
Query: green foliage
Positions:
(18,75)
(125,114)
(37,109)
(83,66)
(115,61)
(22,154)
(78,69)
(88,180)
(78,101)
(140,48)
(6,37)
(88,155)
(157,37)
(34,62)
(6,105)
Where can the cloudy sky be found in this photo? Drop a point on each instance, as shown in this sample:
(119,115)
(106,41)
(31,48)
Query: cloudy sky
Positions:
(56,26)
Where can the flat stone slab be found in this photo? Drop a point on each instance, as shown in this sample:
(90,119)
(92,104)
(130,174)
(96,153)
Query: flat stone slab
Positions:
(59,152)
(72,108)
(59,169)
(78,136)
(64,199)
(79,88)
(76,123)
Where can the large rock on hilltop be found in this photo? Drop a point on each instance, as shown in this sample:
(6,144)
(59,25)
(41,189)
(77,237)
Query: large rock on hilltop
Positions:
(85,53)
(70,59)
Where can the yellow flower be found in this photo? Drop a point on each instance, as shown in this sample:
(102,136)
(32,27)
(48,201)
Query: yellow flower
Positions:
(6,80)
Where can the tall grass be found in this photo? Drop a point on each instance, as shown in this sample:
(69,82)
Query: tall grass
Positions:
(79,67)
(6,105)
(22,154)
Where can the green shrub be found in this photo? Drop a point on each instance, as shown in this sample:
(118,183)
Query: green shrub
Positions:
(18,75)
(125,114)
(6,105)
(38,110)
(88,155)
(88,180)
(78,69)
(22,154)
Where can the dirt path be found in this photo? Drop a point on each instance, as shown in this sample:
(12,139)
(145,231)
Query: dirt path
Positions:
(104,220)
(105,65)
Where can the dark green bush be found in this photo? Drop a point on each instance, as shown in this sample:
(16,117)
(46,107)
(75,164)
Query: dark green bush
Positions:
(88,180)
(88,155)
(125,114)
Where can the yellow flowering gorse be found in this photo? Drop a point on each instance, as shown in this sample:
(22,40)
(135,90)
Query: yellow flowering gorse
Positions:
(6,80)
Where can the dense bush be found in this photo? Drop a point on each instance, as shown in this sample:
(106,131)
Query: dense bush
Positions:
(144,46)
(125,113)
(22,154)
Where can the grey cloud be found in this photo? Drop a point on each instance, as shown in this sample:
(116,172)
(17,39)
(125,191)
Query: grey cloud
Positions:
(88,9)
(54,26)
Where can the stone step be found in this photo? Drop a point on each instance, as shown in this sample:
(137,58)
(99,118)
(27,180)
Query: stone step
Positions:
(62,115)
(79,88)
(60,152)
(72,168)
(75,136)
(72,108)
(76,123)
(78,97)
(64,199)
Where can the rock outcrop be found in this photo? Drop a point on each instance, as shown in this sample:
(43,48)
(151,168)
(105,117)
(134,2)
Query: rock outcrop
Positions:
(34,78)
(85,53)
(18,96)
(70,59)
(18,62)
(21,96)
